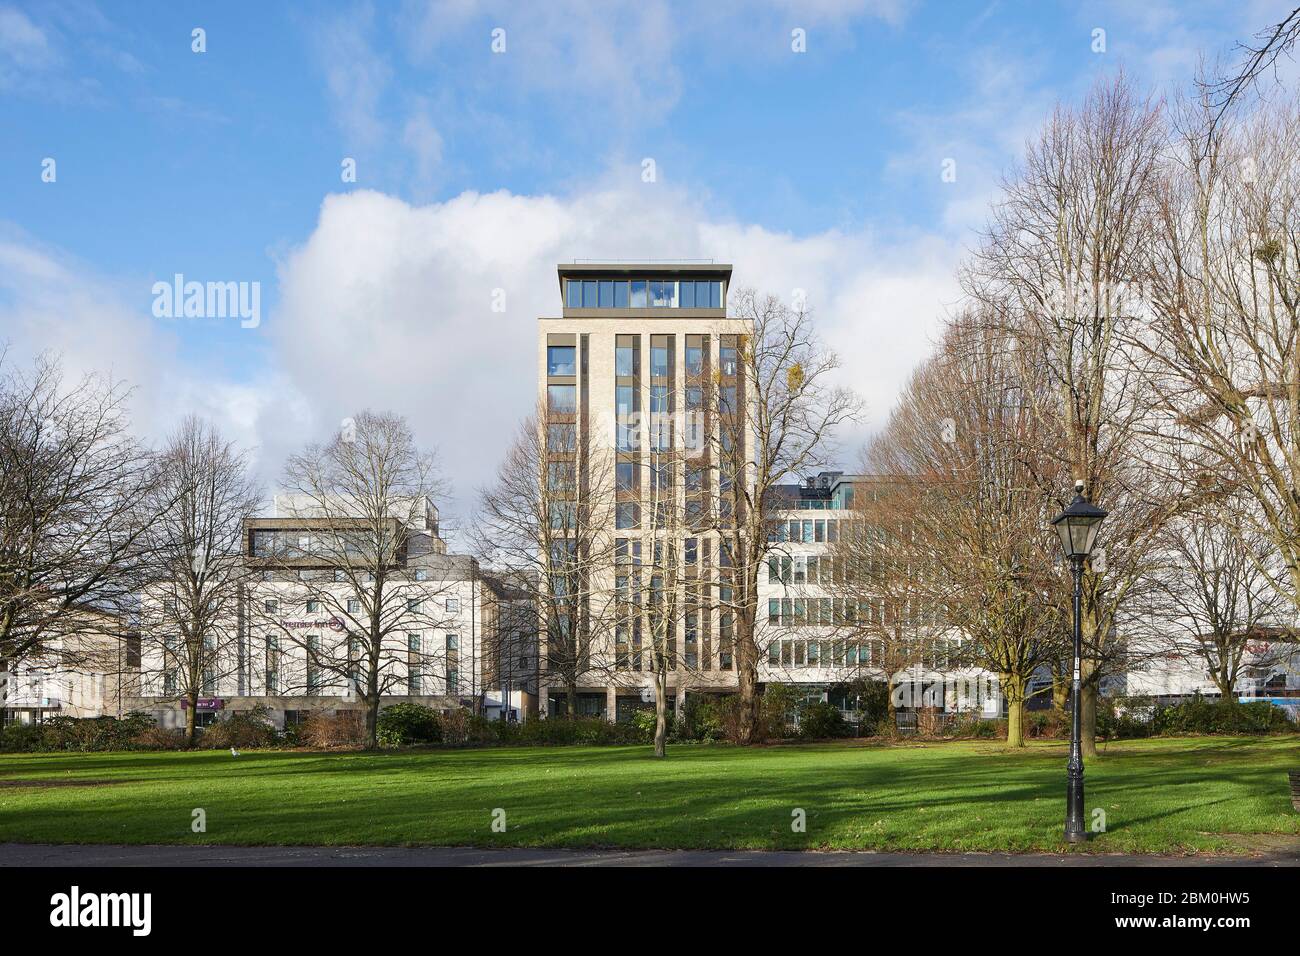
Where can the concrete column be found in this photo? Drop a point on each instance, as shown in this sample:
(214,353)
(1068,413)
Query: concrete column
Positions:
(611,703)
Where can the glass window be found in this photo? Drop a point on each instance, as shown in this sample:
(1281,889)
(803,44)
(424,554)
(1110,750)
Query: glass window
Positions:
(715,296)
(560,475)
(561,360)
(626,476)
(573,294)
(562,437)
(774,612)
(686,295)
(639,298)
(626,515)
(623,363)
(694,359)
(727,359)
(659,360)
(658,399)
(606,296)
(562,399)
(663,293)
(589,287)
(453,605)
(453,642)
(620,294)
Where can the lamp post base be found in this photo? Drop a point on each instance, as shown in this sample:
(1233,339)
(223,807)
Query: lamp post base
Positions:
(1076,837)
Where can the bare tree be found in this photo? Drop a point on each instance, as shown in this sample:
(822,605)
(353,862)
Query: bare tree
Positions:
(1216,599)
(1258,57)
(774,409)
(75,494)
(360,551)
(1224,280)
(1060,269)
(965,460)
(544,521)
(189,613)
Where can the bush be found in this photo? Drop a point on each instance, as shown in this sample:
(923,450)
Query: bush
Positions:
(241,728)
(345,728)
(82,734)
(701,718)
(408,723)
(643,722)
(820,721)
(1046,723)
(777,709)
(22,738)
(158,738)
(1201,716)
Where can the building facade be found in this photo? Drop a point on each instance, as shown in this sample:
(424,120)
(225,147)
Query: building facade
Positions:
(293,646)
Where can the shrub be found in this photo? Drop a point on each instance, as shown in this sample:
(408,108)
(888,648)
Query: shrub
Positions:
(820,720)
(777,709)
(241,728)
(345,728)
(700,719)
(1046,723)
(1201,716)
(22,738)
(83,734)
(158,738)
(643,722)
(408,723)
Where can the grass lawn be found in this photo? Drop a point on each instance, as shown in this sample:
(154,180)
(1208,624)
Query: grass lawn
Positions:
(1168,796)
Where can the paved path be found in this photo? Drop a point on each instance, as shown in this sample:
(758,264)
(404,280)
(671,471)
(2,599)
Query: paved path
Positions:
(37,854)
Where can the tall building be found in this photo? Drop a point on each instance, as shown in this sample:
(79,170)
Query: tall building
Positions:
(621,374)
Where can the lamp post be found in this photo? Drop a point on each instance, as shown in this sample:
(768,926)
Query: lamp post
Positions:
(1077,527)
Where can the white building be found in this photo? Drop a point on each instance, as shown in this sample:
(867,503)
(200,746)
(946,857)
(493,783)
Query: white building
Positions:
(293,644)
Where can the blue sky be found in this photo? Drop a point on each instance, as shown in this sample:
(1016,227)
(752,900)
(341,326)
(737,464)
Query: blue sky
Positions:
(478,170)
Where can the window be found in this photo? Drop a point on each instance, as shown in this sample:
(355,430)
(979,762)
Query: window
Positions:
(561,360)
(627,515)
(413,604)
(453,605)
(453,642)
(354,606)
(727,359)
(605,296)
(663,293)
(421,574)
(562,399)
(774,610)
(639,297)
(560,475)
(562,437)
(659,360)
(625,474)
(620,294)
(694,356)
(313,607)
(658,399)
(623,357)
(271,607)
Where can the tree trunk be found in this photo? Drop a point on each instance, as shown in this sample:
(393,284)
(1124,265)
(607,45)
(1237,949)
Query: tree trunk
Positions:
(661,712)
(571,700)
(1013,688)
(372,723)
(747,677)
(192,720)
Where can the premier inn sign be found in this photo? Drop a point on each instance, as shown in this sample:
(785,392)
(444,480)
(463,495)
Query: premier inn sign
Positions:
(333,623)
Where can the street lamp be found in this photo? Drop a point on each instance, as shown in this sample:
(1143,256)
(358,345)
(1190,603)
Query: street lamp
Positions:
(1077,526)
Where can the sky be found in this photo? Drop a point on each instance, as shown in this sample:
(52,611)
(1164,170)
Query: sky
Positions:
(384,173)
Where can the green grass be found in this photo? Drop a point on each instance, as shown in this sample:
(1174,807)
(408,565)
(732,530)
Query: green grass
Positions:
(1168,796)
